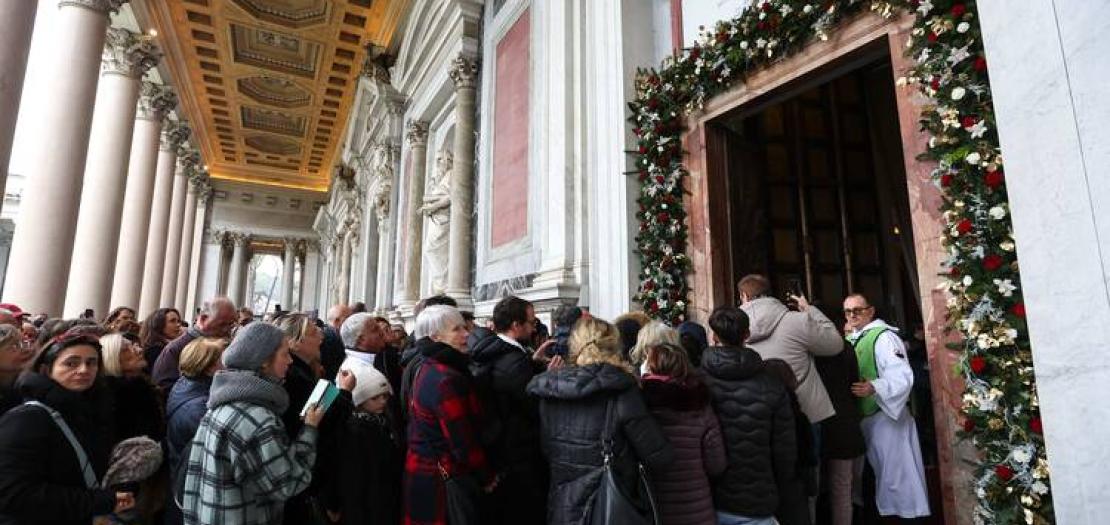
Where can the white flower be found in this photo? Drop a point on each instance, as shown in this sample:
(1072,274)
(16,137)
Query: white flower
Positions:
(978,130)
(1005,287)
(743,44)
(786,9)
(973,158)
(958,93)
(1022,456)
(968,280)
(760,43)
(924,7)
(1007,246)
(958,55)
(997,213)
(1039,488)
(963,27)
(809,9)
(762,15)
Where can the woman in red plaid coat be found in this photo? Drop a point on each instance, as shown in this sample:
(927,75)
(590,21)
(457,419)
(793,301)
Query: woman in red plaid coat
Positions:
(444,420)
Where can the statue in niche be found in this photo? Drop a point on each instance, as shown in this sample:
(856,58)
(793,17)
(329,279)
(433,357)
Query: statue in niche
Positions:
(437,207)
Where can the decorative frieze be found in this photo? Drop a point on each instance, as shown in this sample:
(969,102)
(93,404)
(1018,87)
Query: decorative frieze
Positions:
(128,53)
(100,6)
(156,101)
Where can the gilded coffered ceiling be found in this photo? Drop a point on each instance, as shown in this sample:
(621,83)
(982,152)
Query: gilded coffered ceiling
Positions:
(267,85)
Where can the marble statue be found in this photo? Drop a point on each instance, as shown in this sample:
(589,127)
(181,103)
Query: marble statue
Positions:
(437,208)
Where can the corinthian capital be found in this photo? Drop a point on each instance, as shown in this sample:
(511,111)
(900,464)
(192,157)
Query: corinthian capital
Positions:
(239,239)
(417,133)
(188,159)
(464,70)
(174,134)
(155,101)
(100,6)
(127,53)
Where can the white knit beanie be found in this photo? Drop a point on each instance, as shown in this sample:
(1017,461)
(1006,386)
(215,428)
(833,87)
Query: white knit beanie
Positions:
(369,382)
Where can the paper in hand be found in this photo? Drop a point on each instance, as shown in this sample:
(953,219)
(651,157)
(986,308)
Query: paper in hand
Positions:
(324,394)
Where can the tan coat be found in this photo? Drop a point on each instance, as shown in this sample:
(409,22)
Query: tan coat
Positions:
(795,337)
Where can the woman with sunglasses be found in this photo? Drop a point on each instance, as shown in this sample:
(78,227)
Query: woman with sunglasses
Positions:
(52,447)
(14,356)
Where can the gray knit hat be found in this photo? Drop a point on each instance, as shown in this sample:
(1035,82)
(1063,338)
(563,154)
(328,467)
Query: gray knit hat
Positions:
(253,345)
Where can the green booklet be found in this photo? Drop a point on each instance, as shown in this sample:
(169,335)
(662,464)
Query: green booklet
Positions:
(324,394)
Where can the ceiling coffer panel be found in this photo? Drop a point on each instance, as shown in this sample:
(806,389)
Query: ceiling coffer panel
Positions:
(274,91)
(275,50)
(273,121)
(271,82)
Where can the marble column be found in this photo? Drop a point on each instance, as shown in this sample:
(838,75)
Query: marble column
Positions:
(237,272)
(17,20)
(463,72)
(147,161)
(417,136)
(173,235)
(185,253)
(289,266)
(201,266)
(41,251)
(310,277)
(158,210)
(127,56)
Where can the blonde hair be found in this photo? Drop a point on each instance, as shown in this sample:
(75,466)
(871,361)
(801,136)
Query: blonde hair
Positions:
(199,355)
(596,341)
(653,334)
(110,347)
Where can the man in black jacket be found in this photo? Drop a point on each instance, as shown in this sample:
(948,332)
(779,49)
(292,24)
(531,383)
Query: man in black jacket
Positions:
(502,367)
(756,419)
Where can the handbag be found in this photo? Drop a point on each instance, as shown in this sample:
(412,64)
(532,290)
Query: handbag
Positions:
(611,506)
(463,497)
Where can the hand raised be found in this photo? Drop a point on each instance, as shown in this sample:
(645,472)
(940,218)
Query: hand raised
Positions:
(346,380)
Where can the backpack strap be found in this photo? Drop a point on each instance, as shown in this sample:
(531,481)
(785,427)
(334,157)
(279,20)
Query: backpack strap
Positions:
(82,458)
(608,432)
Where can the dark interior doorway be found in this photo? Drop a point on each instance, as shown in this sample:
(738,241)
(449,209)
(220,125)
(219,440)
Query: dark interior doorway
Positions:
(818,202)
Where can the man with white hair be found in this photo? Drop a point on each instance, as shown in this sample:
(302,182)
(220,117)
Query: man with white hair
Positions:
(363,338)
(216,320)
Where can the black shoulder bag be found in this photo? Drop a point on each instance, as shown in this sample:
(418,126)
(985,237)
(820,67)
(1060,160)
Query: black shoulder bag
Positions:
(611,506)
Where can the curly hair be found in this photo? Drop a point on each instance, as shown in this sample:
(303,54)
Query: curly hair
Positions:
(596,341)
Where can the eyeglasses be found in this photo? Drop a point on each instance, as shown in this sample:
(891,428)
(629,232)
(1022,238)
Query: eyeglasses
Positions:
(856,311)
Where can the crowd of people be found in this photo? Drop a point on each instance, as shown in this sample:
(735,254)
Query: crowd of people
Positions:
(226,420)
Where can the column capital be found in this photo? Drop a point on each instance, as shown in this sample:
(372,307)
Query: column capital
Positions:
(239,239)
(187,159)
(395,106)
(100,6)
(464,71)
(128,53)
(373,69)
(204,194)
(417,133)
(155,101)
(291,244)
(174,134)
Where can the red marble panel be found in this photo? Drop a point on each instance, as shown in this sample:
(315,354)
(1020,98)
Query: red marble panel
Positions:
(510,134)
(403,221)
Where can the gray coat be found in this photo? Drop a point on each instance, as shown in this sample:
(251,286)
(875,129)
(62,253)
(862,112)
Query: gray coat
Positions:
(796,337)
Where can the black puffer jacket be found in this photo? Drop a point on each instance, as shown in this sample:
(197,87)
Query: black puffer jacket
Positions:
(755,414)
(40,477)
(573,404)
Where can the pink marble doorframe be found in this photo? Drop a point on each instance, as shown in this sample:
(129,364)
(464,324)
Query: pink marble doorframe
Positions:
(510,134)
(709,240)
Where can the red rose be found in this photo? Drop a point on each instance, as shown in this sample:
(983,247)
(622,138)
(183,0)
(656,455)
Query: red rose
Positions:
(653,103)
(946,180)
(964,226)
(980,64)
(992,262)
(969,121)
(766,7)
(663,216)
(954,271)
(1035,425)
(969,425)
(659,179)
(1003,472)
(695,53)
(762,26)
(643,149)
(648,286)
(1018,310)
(958,10)
(935,84)
(994,179)
(978,364)
(932,36)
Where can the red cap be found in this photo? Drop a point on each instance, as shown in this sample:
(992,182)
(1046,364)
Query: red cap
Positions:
(15,310)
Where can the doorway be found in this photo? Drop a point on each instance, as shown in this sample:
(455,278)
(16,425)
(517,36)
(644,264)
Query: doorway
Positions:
(818,202)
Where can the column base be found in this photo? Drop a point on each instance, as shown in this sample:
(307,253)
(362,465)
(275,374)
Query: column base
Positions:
(462,297)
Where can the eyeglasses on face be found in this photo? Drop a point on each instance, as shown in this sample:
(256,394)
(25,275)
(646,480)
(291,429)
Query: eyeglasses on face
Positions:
(856,311)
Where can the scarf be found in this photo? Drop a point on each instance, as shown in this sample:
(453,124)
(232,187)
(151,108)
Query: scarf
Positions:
(447,355)
(229,386)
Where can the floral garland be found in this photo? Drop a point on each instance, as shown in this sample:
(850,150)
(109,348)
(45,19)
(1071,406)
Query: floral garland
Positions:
(1000,412)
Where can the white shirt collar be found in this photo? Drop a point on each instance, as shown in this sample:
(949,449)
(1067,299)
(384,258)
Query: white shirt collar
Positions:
(511,341)
(362,357)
